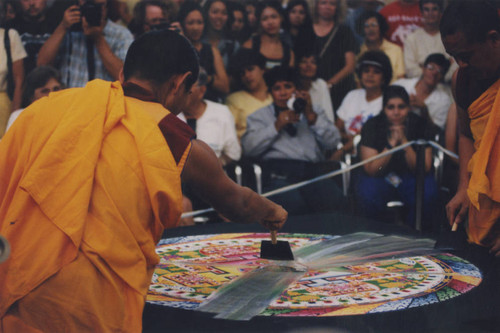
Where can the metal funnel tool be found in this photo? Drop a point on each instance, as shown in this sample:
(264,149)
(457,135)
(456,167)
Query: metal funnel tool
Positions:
(275,250)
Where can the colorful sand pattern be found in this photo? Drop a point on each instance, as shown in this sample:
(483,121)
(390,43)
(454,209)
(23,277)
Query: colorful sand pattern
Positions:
(193,267)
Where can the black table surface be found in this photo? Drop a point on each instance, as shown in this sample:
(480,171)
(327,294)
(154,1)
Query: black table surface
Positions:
(475,311)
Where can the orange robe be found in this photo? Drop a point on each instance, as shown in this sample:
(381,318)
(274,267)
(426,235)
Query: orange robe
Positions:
(88,183)
(484,166)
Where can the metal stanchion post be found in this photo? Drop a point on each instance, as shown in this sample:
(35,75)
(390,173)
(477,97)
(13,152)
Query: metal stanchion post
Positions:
(419,182)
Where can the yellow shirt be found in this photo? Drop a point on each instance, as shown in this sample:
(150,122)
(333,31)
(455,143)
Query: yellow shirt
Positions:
(242,104)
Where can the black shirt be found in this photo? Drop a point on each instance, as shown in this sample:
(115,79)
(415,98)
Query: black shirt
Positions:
(375,133)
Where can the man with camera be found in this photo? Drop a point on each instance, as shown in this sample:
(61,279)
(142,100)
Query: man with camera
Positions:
(86,45)
(289,138)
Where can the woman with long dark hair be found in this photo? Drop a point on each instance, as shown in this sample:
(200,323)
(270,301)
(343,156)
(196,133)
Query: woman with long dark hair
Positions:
(191,19)
(215,14)
(268,40)
(298,24)
(239,29)
(336,48)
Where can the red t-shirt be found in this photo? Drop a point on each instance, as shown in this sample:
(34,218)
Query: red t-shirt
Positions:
(403,19)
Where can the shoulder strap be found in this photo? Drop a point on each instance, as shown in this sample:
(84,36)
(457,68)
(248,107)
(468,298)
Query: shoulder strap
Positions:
(10,76)
(332,34)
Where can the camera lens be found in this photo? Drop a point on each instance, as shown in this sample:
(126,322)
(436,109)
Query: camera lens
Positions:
(299,105)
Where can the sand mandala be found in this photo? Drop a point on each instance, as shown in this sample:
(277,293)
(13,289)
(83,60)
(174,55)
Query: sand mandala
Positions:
(331,276)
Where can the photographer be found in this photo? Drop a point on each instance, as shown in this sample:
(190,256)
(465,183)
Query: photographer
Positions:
(86,45)
(289,140)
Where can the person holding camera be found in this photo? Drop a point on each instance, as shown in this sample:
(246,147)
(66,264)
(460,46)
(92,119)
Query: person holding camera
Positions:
(86,45)
(289,138)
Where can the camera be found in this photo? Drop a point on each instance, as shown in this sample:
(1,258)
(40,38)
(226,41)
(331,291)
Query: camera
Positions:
(297,104)
(92,12)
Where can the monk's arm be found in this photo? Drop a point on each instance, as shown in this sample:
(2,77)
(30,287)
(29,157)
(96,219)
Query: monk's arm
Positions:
(204,174)
(457,208)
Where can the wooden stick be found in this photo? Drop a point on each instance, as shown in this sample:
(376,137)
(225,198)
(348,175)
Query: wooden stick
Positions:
(454,227)
(273,237)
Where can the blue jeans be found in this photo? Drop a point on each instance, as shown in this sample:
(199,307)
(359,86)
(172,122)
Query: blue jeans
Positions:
(373,193)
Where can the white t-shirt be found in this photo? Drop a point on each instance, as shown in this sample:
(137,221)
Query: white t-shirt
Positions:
(355,110)
(216,128)
(320,96)
(13,117)
(438,102)
(17,52)
(417,47)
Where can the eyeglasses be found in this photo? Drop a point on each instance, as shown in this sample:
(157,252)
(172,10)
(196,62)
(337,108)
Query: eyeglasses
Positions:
(434,68)
(371,25)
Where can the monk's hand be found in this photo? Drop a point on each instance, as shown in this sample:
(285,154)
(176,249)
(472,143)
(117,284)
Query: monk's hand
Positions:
(495,249)
(276,217)
(457,208)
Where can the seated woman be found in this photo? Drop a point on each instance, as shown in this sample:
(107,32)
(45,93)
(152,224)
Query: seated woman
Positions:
(429,97)
(374,72)
(39,83)
(268,41)
(308,80)
(191,19)
(373,26)
(392,177)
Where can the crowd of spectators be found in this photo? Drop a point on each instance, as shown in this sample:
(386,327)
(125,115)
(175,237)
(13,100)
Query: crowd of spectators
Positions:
(337,57)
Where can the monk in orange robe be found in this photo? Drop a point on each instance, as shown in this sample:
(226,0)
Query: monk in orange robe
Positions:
(484,167)
(470,33)
(89,179)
